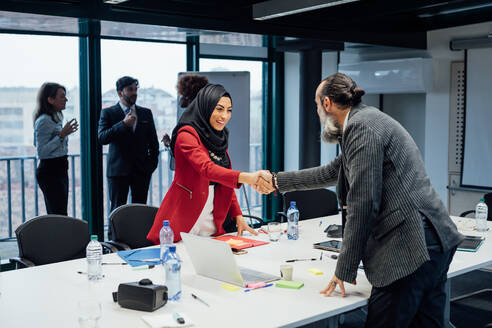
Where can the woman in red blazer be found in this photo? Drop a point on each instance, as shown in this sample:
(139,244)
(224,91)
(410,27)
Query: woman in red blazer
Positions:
(202,195)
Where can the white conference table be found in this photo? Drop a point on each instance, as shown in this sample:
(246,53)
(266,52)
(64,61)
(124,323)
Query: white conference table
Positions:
(47,296)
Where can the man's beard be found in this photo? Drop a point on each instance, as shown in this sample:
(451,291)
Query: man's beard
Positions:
(331,129)
(130,100)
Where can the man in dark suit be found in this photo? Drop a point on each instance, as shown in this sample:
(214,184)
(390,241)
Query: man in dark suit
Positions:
(396,223)
(133,147)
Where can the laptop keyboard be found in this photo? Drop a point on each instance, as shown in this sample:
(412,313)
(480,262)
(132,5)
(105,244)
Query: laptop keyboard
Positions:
(255,276)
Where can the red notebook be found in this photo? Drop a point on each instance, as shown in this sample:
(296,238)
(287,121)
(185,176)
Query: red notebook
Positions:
(240,242)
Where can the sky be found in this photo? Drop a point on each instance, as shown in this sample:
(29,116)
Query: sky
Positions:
(30,60)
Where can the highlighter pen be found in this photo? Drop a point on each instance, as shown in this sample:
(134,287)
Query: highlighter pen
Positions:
(178,318)
(250,289)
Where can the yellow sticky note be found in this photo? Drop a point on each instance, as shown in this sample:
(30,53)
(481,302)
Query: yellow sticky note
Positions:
(234,242)
(315,271)
(230,287)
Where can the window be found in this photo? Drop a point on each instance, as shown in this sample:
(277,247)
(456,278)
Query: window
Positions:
(256,118)
(27,62)
(156,66)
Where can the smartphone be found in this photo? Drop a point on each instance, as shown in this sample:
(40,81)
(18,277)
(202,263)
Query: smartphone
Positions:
(330,245)
(236,251)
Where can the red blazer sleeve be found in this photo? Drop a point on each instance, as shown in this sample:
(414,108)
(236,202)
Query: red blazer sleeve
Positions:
(189,146)
(234,209)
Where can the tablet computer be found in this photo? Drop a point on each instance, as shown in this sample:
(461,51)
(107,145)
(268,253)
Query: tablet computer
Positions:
(330,245)
(470,244)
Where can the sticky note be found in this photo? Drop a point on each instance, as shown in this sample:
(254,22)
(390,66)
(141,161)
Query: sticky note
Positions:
(289,284)
(256,285)
(315,271)
(230,287)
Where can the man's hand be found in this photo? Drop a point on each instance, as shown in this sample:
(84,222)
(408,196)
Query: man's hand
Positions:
(333,284)
(264,183)
(258,180)
(166,140)
(69,128)
(130,119)
(242,225)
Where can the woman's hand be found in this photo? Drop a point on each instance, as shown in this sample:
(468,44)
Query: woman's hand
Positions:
(242,225)
(69,128)
(258,180)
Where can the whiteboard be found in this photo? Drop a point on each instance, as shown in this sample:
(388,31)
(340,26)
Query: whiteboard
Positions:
(238,86)
(477,159)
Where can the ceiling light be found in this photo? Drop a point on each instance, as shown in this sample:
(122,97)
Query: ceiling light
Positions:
(278,8)
(454,11)
(114,2)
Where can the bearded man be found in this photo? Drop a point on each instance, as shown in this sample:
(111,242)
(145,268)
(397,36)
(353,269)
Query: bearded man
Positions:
(396,223)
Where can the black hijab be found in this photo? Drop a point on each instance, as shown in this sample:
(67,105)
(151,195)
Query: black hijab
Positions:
(198,115)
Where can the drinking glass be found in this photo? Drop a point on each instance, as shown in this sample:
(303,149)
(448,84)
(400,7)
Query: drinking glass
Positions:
(274,229)
(90,312)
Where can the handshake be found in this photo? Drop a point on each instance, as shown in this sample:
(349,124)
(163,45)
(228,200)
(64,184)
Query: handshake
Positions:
(261,181)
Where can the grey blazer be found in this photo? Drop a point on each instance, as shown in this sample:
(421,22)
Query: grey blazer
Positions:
(388,193)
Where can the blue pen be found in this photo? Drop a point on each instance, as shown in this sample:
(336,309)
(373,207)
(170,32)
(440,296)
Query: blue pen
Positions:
(267,285)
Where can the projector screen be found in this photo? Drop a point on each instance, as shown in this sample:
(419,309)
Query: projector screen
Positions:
(477,158)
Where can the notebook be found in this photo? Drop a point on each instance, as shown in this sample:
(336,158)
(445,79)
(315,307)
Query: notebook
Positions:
(137,257)
(240,242)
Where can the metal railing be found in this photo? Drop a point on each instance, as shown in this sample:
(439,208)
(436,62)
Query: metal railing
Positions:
(23,199)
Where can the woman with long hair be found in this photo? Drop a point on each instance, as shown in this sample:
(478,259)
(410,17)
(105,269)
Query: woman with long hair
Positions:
(51,142)
(201,196)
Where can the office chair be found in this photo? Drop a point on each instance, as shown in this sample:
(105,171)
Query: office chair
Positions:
(130,225)
(254,221)
(52,238)
(311,203)
(488,200)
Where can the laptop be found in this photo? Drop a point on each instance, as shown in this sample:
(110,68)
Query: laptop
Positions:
(214,259)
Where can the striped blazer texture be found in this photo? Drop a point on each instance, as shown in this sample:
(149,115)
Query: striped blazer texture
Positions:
(388,193)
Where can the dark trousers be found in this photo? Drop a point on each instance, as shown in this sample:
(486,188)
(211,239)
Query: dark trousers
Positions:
(119,187)
(52,177)
(417,300)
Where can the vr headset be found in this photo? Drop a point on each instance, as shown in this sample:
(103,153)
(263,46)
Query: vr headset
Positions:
(142,295)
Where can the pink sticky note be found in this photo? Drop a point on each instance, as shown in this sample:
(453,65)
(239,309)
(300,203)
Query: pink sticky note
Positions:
(256,285)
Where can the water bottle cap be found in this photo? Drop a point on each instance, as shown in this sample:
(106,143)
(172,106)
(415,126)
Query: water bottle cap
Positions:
(172,249)
(482,200)
(292,203)
(165,223)
(93,237)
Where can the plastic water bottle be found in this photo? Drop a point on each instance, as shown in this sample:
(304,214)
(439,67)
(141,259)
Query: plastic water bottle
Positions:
(481,213)
(172,268)
(94,259)
(166,237)
(293,222)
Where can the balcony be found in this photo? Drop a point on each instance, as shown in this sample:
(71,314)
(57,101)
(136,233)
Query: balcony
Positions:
(21,199)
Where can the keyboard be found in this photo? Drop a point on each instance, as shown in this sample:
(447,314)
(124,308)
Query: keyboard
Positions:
(250,276)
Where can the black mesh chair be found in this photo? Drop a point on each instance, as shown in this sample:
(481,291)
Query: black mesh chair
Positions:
(488,200)
(50,239)
(311,203)
(252,220)
(130,225)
